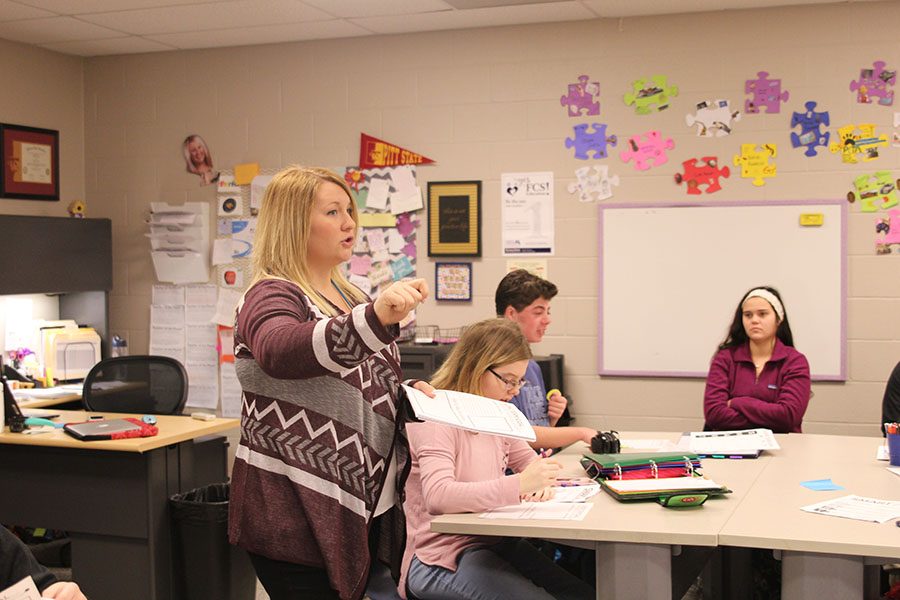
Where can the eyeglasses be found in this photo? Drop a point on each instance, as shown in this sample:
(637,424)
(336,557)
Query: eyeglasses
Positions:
(510,385)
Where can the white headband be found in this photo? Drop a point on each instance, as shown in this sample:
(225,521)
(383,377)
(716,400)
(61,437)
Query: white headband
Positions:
(768,297)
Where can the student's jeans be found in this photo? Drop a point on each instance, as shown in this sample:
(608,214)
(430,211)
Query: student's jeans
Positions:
(511,569)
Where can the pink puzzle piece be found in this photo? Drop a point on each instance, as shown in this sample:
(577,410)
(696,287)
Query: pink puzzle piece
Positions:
(875,83)
(766,92)
(580,98)
(893,234)
(645,148)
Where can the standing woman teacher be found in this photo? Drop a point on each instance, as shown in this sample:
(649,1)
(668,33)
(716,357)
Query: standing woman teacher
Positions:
(323,451)
(757,378)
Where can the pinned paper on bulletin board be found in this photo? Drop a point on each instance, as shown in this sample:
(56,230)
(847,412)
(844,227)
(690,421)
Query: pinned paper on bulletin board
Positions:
(244,173)
(535,266)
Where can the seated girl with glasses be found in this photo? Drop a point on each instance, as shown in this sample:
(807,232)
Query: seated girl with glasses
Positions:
(458,471)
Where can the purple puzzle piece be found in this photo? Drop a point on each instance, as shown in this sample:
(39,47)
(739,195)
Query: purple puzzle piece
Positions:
(410,250)
(580,98)
(595,142)
(651,148)
(766,92)
(875,83)
(405,225)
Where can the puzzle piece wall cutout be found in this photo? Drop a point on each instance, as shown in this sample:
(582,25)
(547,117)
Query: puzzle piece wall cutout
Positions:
(889,230)
(713,118)
(755,163)
(581,97)
(810,134)
(594,183)
(647,147)
(649,94)
(766,93)
(876,82)
(875,191)
(855,145)
(595,141)
(702,171)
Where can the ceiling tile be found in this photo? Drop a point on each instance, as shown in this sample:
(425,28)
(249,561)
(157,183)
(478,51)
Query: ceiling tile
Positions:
(53,29)
(368,8)
(480,17)
(13,11)
(77,7)
(203,17)
(122,45)
(268,34)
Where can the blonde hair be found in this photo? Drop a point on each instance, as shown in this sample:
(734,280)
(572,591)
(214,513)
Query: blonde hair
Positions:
(282,232)
(485,344)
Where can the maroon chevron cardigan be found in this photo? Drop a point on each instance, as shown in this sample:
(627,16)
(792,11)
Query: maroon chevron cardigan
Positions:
(319,428)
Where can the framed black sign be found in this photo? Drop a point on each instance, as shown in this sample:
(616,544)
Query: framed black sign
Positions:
(454,218)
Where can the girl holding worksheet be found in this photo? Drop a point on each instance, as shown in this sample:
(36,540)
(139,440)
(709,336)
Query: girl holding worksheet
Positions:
(457,471)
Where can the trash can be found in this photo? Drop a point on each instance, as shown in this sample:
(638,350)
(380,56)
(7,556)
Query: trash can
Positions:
(205,564)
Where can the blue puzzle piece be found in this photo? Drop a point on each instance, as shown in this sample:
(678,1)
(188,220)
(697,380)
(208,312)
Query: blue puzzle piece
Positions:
(810,134)
(595,142)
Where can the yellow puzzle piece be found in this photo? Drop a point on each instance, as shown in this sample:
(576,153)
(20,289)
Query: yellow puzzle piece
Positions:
(755,163)
(854,145)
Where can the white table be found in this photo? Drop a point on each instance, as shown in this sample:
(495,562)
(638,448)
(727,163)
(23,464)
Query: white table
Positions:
(634,541)
(822,557)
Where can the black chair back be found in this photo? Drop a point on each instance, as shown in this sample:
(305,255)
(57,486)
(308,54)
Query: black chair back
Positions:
(136,384)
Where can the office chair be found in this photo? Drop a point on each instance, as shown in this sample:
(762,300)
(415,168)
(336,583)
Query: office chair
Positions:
(136,384)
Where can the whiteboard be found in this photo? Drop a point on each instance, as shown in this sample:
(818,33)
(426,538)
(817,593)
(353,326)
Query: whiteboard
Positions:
(671,277)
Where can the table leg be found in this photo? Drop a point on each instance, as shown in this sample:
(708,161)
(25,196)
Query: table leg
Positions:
(821,576)
(634,571)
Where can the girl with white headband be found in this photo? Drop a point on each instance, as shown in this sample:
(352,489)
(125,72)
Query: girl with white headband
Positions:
(757,378)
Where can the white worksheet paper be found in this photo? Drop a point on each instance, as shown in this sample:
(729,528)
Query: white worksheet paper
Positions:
(723,442)
(25,589)
(540,510)
(857,507)
(471,412)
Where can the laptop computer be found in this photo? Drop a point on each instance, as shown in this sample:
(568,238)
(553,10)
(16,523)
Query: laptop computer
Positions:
(99,430)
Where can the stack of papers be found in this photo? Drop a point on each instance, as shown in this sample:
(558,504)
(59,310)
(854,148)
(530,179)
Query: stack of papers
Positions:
(744,443)
(540,510)
(470,412)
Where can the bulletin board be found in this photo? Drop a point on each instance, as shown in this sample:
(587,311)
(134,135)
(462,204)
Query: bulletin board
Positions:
(671,277)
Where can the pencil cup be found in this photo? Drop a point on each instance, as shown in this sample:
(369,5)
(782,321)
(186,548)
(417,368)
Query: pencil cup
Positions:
(894,448)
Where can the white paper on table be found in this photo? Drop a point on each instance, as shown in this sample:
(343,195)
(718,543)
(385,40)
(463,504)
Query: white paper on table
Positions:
(575,493)
(402,202)
(894,470)
(166,316)
(858,508)
(168,294)
(471,412)
(882,453)
(723,442)
(199,294)
(25,589)
(540,510)
(378,193)
(223,248)
(649,444)
(230,390)
(667,484)
(225,306)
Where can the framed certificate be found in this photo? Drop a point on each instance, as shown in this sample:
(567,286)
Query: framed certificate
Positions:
(29,163)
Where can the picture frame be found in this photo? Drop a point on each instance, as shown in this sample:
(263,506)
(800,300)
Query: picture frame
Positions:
(454,218)
(453,281)
(29,162)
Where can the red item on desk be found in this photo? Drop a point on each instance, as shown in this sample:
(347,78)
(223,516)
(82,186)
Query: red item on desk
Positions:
(110,429)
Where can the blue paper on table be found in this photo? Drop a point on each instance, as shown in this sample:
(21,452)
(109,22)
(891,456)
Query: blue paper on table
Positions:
(821,485)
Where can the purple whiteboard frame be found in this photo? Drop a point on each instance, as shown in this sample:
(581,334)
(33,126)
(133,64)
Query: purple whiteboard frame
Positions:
(688,374)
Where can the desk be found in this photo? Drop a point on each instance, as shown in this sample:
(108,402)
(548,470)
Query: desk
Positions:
(112,496)
(45,402)
(822,557)
(635,541)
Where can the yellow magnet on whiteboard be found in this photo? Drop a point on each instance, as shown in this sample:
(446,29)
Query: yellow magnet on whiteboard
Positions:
(812,219)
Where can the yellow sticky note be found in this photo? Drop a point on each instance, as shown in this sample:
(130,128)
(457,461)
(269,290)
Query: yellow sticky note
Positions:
(244,174)
(377,220)
(812,219)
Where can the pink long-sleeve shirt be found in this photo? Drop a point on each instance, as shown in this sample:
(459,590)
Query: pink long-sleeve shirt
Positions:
(777,399)
(455,471)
